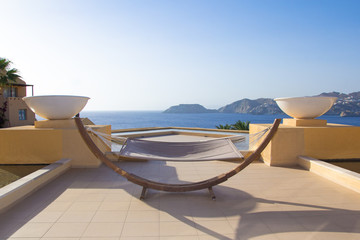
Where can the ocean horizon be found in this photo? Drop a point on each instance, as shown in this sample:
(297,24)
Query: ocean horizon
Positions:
(139,119)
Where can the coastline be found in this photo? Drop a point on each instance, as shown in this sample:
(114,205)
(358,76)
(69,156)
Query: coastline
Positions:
(135,119)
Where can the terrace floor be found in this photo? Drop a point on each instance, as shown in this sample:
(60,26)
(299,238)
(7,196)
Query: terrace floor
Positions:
(261,202)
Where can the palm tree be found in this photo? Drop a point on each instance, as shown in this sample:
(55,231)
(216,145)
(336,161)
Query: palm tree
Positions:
(7,74)
(227,126)
(240,125)
(3,119)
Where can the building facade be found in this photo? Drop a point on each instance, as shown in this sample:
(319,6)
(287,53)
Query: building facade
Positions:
(17,113)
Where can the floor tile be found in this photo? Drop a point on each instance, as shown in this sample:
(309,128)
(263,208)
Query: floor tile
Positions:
(110,216)
(114,206)
(143,216)
(177,228)
(65,230)
(84,206)
(255,204)
(47,216)
(218,227)
(77,217)
(32,230)
(140,229)
(101,230)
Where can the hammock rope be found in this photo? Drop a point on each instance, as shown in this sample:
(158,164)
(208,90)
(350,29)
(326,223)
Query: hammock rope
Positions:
(255,137)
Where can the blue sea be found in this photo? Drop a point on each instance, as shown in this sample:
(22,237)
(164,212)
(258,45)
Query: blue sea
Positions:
(139,119)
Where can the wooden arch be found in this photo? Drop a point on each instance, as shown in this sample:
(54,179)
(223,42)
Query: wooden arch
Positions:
(145,183)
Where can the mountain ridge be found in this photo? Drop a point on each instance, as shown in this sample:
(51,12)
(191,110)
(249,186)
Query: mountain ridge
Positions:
(346,105)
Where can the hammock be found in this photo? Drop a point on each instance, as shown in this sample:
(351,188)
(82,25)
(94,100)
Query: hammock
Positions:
(146,183)
(200,150)
(210,150)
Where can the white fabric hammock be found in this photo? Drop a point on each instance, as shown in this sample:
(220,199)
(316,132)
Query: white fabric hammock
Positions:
(209,150)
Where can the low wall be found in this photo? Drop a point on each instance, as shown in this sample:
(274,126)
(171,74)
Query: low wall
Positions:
(48,141)
(18,190)
(336,174)
(332,141)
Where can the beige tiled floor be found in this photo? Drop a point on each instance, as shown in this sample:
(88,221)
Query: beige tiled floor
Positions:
(259,203)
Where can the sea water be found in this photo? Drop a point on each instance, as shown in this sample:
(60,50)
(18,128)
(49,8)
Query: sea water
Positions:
(139,119)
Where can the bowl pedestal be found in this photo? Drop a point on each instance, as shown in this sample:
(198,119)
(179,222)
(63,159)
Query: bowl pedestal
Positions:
(304,122)
(56,124)
(333,141)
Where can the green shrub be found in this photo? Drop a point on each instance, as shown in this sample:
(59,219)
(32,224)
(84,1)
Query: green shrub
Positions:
(227,126)
(239,125)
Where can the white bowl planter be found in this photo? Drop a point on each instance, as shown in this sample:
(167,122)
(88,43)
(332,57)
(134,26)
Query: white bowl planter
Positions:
(56,107)
(305,107)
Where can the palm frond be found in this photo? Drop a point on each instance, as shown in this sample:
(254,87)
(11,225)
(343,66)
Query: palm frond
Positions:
(240,125)
(4,64)
(226,126)
(7,75)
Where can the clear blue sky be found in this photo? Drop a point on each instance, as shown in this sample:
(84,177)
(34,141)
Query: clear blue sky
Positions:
(149,55)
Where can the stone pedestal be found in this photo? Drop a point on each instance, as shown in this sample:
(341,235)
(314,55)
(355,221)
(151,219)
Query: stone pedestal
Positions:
(331,141)
(56,124)
(304,122)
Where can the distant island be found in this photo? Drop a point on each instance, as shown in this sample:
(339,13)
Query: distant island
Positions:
(189,108)
(346,105)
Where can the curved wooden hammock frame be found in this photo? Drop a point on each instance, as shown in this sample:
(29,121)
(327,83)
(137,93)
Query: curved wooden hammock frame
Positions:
(145,183)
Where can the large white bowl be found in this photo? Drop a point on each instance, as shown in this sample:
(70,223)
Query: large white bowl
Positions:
(305,107)
(56,107)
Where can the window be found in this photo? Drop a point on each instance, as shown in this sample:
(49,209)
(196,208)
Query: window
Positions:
(10,92)
(22,114)
(14,92)
(6,92)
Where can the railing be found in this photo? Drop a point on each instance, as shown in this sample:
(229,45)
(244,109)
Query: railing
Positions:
(10,99)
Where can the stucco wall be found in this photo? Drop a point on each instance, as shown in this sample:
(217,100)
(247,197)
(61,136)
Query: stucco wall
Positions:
(332,141)
(14,105)
(27,144)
